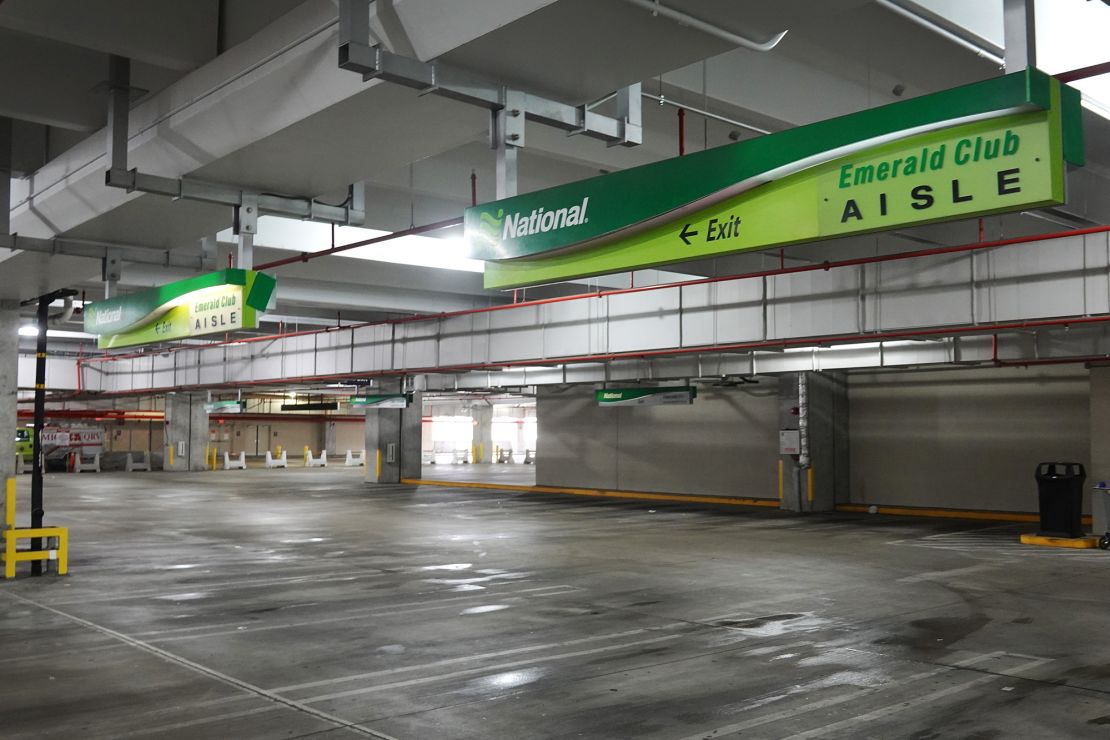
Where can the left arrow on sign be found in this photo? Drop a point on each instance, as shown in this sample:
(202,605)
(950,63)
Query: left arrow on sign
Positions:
(685,234)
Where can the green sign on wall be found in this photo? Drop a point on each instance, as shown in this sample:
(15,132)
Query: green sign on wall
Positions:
(990,147)
(661,396)
(389,401)
(207,304)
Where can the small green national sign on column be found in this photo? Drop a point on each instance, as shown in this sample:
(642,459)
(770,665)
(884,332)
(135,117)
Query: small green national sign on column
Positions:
(389,401)
(207,304)
(674,395)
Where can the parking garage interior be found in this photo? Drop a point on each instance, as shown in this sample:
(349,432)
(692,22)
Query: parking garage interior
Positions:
(554,368)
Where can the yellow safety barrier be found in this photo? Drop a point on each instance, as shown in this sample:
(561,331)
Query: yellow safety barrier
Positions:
(378,466)
(278,451)
(306,455)
(810,484)
(12,535)
(170,448)
(781,480)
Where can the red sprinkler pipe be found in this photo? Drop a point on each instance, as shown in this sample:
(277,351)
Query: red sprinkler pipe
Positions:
(1084,72)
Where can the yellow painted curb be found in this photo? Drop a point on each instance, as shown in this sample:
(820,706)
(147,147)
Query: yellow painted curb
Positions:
(1076,543)
(991,516)
(637,495)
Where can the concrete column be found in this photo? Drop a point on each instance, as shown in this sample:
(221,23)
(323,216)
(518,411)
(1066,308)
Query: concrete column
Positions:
(9,382)
(816,406)
(1100,440)
(483,433)
(394,435)
(329,438)
(5,175)
(1020,33)
(186,432)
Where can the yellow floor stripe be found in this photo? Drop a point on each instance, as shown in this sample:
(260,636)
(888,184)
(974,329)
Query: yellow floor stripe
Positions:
(637,495)
(993,516)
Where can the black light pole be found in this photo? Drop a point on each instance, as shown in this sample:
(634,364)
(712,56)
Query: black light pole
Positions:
(40,417)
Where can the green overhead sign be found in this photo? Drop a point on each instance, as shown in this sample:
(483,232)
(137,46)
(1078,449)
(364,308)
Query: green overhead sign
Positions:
(207,304)
(391,401)
(990,147)
(661,396)
(224,407)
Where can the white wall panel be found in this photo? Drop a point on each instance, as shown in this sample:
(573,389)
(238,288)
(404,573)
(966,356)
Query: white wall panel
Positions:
(813,303)
(515,334)
(1037,280)
(417,345)
(718,313)
(647,320)
(920,292)
(567,328)
(456,346)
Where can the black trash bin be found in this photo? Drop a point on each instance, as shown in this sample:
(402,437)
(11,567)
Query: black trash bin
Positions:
(1060,490)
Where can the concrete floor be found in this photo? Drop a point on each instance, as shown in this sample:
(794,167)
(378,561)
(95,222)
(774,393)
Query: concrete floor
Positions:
(517,475)
(299,603)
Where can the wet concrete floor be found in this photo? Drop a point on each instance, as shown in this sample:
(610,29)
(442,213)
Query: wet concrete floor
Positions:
(301,603)
(506,474)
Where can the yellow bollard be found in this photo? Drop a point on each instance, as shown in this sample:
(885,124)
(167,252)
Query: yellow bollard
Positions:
(278,455)
(9,504)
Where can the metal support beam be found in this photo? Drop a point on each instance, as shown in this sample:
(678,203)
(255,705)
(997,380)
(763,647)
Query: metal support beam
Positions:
(354,33)
(101,250)
(229,195)
(505,149)
(111,268)
(244,253)
(119,103)
(1020,33)
(246,226)
(119,176)
(435,78)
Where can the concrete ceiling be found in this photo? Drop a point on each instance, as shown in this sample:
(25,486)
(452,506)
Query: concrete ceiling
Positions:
(281,117)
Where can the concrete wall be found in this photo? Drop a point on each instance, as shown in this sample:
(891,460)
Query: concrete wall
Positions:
(964,438)
(133,436)
(349,436)
(725,444)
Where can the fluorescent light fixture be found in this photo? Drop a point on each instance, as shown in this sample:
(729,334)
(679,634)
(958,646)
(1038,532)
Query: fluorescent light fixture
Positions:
(449,253)
(30,330)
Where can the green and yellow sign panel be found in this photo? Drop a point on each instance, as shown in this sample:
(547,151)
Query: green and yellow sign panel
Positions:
(991,147)
(207,304)
(670,395)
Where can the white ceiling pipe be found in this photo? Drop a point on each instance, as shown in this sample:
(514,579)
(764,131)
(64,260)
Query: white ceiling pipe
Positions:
(945,28)
(656,8)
